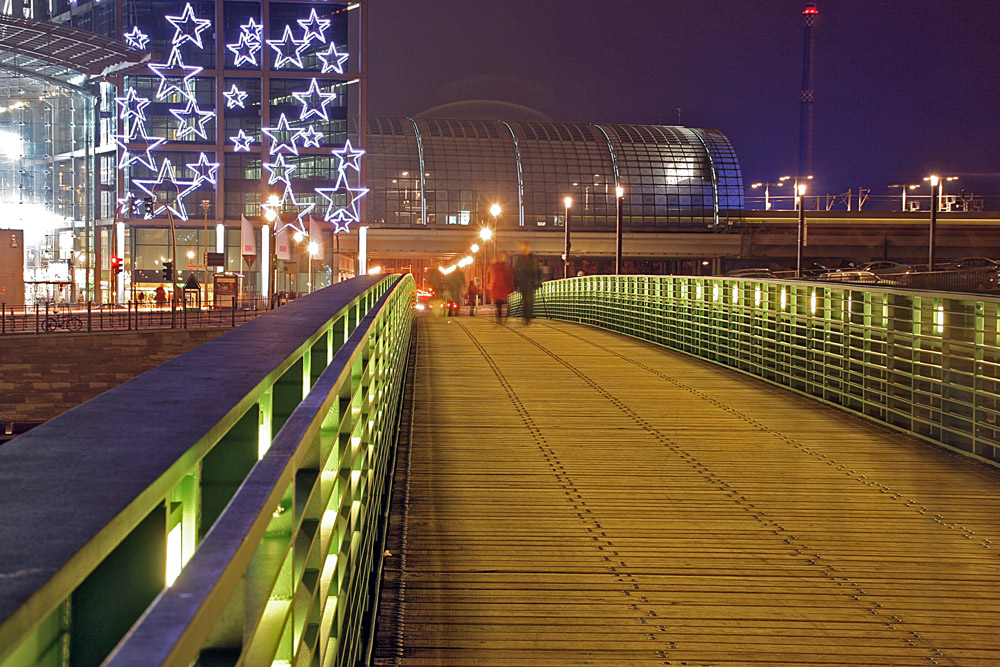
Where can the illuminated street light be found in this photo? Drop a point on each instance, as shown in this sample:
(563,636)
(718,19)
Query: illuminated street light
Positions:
(904,187)
(619,194)
(568,202)
(935,195)
(767,190)
(495,210)
(474,247)
(298,236)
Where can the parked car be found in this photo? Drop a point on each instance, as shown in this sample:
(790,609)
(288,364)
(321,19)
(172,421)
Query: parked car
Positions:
(750,273)
(971,263)
(885,267)
(852,276)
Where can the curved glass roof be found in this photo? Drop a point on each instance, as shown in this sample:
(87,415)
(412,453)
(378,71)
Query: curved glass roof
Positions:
(435,171)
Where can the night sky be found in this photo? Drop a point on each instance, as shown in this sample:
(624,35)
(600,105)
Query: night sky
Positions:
(903,89)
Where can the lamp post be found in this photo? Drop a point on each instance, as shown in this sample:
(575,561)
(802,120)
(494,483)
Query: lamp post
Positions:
(940,194)
(619,193)
(313,249)
(935,193)
(904,187)
(767,192)
(795,180)
(268,262)
(205,205)
(801,204)
(568,202)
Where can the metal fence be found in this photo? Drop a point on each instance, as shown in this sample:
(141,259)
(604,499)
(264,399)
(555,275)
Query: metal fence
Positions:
(926,363)
(50,318)
(226,507)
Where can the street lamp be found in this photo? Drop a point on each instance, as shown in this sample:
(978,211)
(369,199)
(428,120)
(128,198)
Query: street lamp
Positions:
(935,193)
(568,202)
(795,180)
(619,193)
(801,204)
(313,249)
(941,181)
(903,188)
(767,191)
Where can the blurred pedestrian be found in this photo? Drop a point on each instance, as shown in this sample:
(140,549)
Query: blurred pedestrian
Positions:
(472,294)
(527,278)
(454,285)
(500,282)
(160,296)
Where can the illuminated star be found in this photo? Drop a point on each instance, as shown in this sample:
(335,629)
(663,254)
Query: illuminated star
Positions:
(282,136)
(311,137)
(132,107)
(314,102)
(144,157)
(349,157)
(245,50)
(333,60)
(130,206)
(180,189)
(206,171)
(253,30)
(341,215)
(285,46)
(192,120)
(235,98)
(315,27)
(242,141)
(280,171)
(188,27)
(137,39)
(301,210)
(166,88)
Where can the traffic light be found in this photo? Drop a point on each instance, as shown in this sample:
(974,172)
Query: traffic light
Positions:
(150,211)
(168,271)
(116,265)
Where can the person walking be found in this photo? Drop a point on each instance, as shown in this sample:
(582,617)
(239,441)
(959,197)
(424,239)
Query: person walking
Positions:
(527,278)
(500,282)
(160,296)
(454,284)
(472,293)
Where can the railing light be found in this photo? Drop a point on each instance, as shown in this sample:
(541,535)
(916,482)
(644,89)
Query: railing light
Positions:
(939,320)
(784,298)
(812,302)
(736,293)
(756,296)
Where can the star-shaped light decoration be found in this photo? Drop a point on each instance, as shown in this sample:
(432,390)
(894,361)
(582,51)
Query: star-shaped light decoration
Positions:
(280,171)
(282,136)
(350,158)
(253,30)
(245,50)
(205,170)
(241,141)
(288,48)
(333,60)
(311,137)
(235,98)
(132,108)
(167,87)
(188,27)
(145,157)
(193,120)
(288,201)
(137,39)
(315,27)
(342,214)
(166,181)
(314,101)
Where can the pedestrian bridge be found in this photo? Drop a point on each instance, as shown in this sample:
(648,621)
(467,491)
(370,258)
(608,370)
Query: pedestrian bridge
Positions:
(568,492)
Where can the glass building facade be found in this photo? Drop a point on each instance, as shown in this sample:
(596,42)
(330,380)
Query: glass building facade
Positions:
(431,172)
(245,108)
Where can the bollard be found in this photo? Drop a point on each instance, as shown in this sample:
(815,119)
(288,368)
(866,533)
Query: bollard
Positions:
(233,312)
(90,305)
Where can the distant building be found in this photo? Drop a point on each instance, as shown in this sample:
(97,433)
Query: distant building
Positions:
(432,172)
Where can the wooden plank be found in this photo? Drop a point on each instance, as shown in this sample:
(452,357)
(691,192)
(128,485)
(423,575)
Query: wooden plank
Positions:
(572,497)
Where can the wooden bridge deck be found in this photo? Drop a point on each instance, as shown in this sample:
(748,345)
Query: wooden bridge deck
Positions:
(571,497)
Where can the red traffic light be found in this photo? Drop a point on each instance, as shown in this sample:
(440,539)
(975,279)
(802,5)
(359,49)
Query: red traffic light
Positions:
(116,264)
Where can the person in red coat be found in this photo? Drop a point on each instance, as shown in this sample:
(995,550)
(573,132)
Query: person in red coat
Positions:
(500,282)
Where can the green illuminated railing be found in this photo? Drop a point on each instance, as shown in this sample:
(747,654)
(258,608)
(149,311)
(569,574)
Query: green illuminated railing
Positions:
(922,362)
(234,498)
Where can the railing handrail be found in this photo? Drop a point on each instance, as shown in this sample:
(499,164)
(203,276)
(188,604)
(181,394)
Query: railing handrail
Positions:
(61,517)
(174,627)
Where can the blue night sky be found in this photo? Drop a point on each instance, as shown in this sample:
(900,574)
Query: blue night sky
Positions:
(903,89)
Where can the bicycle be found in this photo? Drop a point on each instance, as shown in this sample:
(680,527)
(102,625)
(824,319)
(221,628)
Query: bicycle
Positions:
(66,320)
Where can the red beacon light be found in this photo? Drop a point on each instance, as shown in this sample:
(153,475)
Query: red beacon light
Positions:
(810,9)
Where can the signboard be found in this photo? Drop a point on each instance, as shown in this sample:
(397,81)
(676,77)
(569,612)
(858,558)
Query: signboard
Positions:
(215,258)
(227,284)
(291,267)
